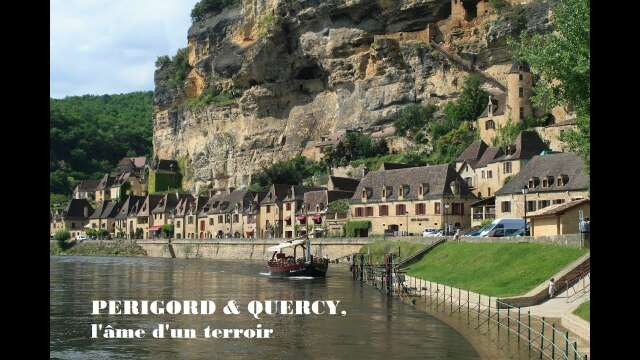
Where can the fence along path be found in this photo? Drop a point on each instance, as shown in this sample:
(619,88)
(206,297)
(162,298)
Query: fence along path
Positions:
(509,327)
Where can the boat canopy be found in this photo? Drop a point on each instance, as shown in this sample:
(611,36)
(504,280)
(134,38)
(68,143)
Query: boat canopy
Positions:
(286,244)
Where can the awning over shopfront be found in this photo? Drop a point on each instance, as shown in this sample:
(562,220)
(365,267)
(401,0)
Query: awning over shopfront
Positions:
(317,218)
(155,228)
(301,218)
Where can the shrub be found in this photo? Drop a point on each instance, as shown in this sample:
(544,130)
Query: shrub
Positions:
(290,172)
(139,233)
(204,7)
(174,71)
(167,230)
(339,206)
(214,95)
(61,237)
(351,228)
(357,145)
(412,118)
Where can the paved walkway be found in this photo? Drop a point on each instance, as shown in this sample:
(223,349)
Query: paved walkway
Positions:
(565,302)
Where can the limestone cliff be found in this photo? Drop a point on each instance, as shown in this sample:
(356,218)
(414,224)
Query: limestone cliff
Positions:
(305,69)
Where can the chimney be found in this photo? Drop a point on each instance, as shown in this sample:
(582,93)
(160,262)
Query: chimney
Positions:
(86,212)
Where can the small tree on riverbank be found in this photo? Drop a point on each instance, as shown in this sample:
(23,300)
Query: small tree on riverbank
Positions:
(61,237)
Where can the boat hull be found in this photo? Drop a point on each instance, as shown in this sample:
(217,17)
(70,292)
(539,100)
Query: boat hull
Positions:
(310,269)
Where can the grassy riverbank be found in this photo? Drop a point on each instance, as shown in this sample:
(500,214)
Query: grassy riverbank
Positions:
(494,269)
(584,311)
(99,248)
(377,249)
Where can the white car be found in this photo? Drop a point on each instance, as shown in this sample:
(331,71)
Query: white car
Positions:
(429,232)
(81,237)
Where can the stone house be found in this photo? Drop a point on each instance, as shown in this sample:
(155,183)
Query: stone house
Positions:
(251,216)
(550,179)
(560,219)
(103,190)
(163,212)
(143,219)
(127,184)
(123,222)
(133,165)
(316,214)
(104,216)
(73,218)
(271,209)
(410,200)
(487,168)
(514,106)
(86,189)
(233,214)
(483,210)
(292,207)
(342,183)
(187,215)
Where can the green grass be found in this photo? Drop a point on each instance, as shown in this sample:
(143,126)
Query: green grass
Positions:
(380,247)
(494,269)
(584,311)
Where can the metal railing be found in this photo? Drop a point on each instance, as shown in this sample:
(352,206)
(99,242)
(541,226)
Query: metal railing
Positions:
(507,325)
(584,279)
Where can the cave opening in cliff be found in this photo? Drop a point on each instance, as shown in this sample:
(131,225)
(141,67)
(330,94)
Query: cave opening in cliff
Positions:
(470,6)
(310,72)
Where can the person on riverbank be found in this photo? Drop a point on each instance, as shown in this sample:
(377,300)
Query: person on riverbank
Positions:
(457,235)
(552,287)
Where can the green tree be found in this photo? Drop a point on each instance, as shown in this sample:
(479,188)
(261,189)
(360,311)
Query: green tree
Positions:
(339,206)
(61,237)
(562,61)
(413,117)
(204,7)
(167,230)
(291,172)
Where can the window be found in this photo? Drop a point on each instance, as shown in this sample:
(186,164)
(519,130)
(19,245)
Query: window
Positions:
(178,223)
(521,112)
(436,208)
(520,76)
(489,174)
(236,218)
(383,210)
(558,201)
(505,206)
(220,219)
(469,181)
(368,211)
(288,206)
(543,204)
(73,225)
(364,193)
(421,209)
(424,188)
(190,219)
(483,174)
(545,183)
(401,209)
(457,208)
(520,92)
(490,124)
(506,167)
(359,212)
(488,191)
(268,209)
(531,205)
(210,221)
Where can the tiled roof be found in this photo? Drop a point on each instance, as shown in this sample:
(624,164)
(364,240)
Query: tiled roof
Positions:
(392,166)
(130,207)
(550,165)
(106,182)
(518,66)
(87,185)
(473,152)
(344,183)
(323,198)
(558,209)
(107,209)
(490,155)
(168,202)
(437,178)
(499,101)
(276,193)
(76,209)
(296,192)
(527,145)
(149,204)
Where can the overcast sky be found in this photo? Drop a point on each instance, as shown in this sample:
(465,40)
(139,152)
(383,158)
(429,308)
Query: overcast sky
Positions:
(110,46)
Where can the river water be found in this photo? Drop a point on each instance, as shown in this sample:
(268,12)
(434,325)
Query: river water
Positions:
(374,327)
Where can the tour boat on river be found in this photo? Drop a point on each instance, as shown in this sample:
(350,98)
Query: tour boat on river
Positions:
(282,265)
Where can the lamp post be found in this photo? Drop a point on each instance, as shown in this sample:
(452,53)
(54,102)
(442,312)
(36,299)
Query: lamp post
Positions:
(446,226)
(525,190)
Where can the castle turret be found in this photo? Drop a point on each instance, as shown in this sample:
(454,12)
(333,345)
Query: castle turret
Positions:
(519,89)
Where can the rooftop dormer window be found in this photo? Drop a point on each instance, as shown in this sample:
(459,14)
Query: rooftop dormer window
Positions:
(424,188)
(533,182)
(563,180)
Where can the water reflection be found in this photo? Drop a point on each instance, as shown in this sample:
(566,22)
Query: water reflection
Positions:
(375,327)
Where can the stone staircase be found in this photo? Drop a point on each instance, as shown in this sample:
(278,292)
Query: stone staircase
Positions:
(420,254)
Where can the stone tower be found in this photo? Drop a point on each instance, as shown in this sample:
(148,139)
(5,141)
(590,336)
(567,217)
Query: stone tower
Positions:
(519,89)
(458,12)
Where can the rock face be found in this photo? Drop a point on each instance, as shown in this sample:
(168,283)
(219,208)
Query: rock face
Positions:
(305,69)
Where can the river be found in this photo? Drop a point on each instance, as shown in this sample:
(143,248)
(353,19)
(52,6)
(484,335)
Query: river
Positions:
(374,327)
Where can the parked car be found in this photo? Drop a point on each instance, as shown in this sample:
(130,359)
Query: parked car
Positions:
(429,232)
(81,237)
(502,224)
(475,232)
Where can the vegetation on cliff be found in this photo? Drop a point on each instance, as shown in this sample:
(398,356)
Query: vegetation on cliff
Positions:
(204,7)
(561,59)
(89,134)
(291,172)
(173,71)
(354,146)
